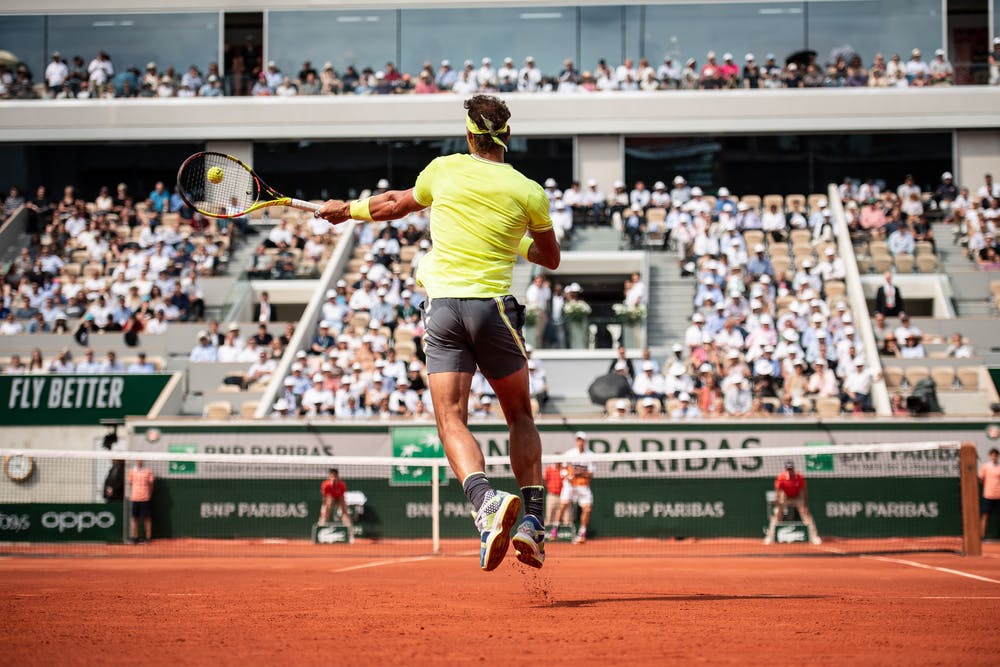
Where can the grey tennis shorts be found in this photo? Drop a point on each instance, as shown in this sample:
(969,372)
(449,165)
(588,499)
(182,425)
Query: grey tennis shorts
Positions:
(461,333)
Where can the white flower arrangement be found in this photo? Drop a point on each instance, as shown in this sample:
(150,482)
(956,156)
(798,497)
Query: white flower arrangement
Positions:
(531,314)
(629,314)
(576,310)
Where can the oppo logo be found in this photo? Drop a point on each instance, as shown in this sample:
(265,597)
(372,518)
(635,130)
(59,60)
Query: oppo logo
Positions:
(14,522)
(78,521)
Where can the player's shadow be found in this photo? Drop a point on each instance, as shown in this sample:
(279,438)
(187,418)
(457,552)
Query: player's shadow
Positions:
(667,598)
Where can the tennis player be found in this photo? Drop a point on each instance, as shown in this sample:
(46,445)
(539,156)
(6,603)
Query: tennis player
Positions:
(484,213)
(989,475)
(576,489)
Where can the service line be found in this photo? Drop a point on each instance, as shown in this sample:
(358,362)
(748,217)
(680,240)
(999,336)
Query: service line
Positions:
(924,566)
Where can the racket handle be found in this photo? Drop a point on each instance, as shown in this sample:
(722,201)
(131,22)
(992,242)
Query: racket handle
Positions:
(304,205)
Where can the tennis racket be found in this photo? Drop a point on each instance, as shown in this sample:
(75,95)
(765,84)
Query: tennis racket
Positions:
(221,186)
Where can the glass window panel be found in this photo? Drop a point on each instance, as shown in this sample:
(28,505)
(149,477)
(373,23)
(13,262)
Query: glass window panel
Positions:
(547,33)
(24,36)
(996,18)
(363,38)
(601,30)
(794,163)
(691,31)
(875,26)
(132,40)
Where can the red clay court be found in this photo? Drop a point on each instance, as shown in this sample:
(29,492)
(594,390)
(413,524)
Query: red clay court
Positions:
(303,604)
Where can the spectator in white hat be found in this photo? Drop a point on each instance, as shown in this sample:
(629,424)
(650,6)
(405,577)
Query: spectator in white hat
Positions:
(594,200)
(529,77)
(680,194)
(941,71)
(685,410)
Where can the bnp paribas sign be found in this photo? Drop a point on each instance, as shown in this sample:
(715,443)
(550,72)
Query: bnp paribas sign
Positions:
(72,400)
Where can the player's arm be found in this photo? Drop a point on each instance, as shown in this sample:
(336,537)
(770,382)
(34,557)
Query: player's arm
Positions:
(542,249)
(390,205)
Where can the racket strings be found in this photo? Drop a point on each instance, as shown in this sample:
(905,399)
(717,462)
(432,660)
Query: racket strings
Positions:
(218,185)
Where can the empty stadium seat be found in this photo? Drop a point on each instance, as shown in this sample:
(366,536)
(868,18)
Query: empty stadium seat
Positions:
(248,409)
(778,200)
(828,407)
(881,263)
(893,376)
(943,376)
(834,289)
(968,377)
(791,201)
(915,374)
(801,237)
(220,410)
(927,263)
(752,237)
(753,201)
(904,263)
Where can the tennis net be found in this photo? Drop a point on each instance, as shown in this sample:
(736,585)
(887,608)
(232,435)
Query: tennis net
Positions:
(862,499)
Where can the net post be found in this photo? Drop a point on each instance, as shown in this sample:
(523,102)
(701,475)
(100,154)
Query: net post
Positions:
(436,508)
(972,543)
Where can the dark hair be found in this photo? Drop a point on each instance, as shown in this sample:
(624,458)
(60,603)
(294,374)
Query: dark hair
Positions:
(492,109)
(995,451)
(334,471)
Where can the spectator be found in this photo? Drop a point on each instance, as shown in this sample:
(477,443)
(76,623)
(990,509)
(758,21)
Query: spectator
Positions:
(141,365)
(888,299)
(685,410)
(204,351)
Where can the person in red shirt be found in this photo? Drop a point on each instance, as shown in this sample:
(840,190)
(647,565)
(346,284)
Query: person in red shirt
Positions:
(790,488)
(333,489)
(553,475)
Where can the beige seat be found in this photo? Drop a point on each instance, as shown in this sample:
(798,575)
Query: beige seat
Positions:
(943,376)
(915,374)
(834,289)
(968,377)
(220,410)
(903,263)
(878,248)
(927,263)
(893,376)
(359,321)
(248,409)
(795,200)
(656,214)
(864,265)
(801,237)
(828,407)
(924,248)
(407,253)
(881,263)
(778,200)
(814,200)
(753,201)
(995,287)
(780,264)
(404,335)
(752,237)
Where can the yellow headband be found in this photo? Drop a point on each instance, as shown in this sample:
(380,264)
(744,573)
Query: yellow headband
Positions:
(472,127)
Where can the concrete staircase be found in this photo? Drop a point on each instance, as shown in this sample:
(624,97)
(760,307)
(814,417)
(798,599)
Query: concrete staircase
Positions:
(670,300)
(952,260)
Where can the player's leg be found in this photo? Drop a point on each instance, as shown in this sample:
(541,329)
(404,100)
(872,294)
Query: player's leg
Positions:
(324,510)
(779,511)
(808,520)
(526,462)
(345,518)
(496,512)
(345,513)
(565,496)
(586,501)
(148,521)
(552,509)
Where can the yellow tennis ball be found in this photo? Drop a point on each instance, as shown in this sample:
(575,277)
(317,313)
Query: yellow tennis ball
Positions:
(215,175)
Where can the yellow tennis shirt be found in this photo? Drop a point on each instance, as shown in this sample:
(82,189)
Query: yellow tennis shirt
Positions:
(480,211)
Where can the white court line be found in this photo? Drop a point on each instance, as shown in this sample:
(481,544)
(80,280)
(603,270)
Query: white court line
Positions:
(380,563)
(924,566)
(959,597)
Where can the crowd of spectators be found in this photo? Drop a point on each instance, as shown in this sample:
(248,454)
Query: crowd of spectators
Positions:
(247,74)
(109,265)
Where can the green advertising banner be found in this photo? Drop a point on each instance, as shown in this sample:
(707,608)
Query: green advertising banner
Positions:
(77,522)
(847,507)
(76,400)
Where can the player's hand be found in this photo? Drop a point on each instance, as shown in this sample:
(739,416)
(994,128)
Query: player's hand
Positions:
(335,211)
